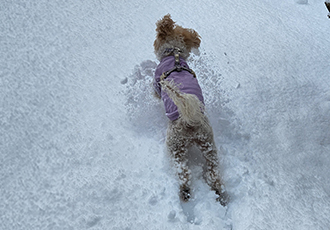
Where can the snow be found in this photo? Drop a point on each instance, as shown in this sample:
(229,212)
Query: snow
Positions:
(82,136)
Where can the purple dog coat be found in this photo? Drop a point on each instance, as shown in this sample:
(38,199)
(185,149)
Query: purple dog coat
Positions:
(186,82)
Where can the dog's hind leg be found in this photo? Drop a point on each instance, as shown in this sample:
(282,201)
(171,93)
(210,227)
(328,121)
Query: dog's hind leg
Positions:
(179,154)
(212,176)
(184,175)
(178,148)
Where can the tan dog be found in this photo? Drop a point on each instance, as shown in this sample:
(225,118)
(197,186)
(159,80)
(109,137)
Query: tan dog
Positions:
(178,87)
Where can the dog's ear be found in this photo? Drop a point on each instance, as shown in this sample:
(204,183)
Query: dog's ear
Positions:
(190,37)
(165,27)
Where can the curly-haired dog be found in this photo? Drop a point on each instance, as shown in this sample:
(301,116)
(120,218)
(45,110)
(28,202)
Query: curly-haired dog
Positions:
(178,87)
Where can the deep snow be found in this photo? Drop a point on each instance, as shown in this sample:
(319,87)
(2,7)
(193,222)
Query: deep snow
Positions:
(82,137)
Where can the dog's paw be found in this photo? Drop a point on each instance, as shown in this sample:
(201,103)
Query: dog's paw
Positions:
(185,194)
(223,197)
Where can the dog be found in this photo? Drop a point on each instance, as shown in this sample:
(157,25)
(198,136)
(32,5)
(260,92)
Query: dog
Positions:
(176,84)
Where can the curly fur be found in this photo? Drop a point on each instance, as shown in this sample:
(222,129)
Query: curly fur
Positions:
(170,35)
(192,127)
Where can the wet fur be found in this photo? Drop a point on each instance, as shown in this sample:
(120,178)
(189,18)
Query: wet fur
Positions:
(192,127)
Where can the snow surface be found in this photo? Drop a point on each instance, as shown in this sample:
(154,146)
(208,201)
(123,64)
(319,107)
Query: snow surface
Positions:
(82,137)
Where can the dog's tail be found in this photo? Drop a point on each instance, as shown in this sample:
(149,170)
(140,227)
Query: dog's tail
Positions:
(191,109)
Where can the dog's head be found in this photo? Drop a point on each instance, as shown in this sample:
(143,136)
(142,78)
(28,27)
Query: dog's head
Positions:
(170,35)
